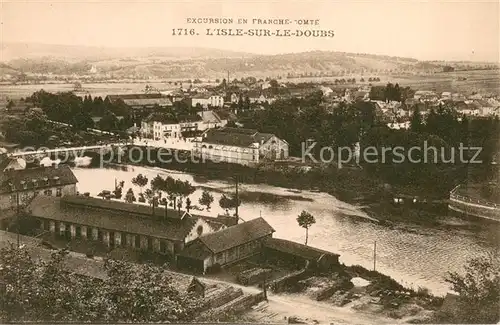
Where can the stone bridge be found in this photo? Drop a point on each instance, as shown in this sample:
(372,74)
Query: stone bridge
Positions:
(30,155)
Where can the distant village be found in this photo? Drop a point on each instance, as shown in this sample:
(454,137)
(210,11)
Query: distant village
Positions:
(206,118)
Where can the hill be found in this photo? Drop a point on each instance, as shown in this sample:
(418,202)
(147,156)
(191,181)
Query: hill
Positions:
(72,53)
(120,63)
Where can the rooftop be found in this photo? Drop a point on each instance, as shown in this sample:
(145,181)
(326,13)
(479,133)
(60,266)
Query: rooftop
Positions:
(53,208)
(40,177)
(236,235)
(171,119)
(133,96)
(209,117)
(290,247)
(148,102)
(238,137)
(121,207)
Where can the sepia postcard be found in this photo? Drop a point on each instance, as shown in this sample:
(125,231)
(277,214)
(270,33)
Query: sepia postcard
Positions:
(250,162)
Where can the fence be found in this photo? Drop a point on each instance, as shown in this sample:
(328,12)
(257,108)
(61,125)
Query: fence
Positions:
(467,199)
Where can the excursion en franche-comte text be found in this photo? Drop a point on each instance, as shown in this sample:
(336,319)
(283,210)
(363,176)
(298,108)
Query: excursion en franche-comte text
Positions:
(276,27)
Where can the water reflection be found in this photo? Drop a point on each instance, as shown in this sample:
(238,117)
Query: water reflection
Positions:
(413,255)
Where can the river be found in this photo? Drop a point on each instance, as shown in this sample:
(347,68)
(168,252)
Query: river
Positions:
(413,255)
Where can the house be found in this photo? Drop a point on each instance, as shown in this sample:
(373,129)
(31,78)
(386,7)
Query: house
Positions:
(216,101)
(162,126)
(235,98)
(409,102)
(348,95)
(142,101)
(210,120)
(361,95)
(466,108)
(226,115)
(299,254)
(446,95)
(485,108)
(327,91)
(24,184)
(475,96)
(260,99)
(202,100)
(200,90)
(240,146)
(8,147)
(226,246)
(10,163)
(118,224)
(457,97)
(425,95)
(266,85)
(399,126)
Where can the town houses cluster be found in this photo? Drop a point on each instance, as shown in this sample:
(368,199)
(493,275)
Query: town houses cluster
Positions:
(205,119)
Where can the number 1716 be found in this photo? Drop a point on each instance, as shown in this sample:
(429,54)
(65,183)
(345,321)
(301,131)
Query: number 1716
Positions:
(182,31)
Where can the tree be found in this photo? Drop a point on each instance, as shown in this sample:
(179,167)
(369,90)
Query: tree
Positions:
(478,290)
(246,106)
(397,93)
(43,290)
(183,190)
(151,198)
(140,180)
(206,199)
(10,104)
(416,120)
(160,186)
(228,203)
(306,220)
(81,121)
(129,196)
(109,122)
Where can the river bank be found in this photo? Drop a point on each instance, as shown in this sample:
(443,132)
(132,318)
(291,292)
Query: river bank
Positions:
(350,184)
(347,294)
(413,254)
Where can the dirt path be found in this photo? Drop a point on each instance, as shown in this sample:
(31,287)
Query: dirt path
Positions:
(280,306)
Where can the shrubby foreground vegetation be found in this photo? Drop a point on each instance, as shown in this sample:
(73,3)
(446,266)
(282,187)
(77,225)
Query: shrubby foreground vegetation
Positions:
(44,291)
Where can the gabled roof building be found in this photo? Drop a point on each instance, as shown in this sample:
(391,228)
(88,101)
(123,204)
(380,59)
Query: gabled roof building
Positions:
(24,184)
(240,146)
(226,246)
(120,224)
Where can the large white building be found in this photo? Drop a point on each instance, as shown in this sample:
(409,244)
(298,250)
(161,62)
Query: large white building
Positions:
(160,126)
(216,101)
(240,146)
(206,101)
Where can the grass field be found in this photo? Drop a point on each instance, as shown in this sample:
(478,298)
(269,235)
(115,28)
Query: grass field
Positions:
(95,89)
(481,81)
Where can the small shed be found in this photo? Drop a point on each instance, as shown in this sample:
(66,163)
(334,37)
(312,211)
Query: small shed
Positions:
(298,254)
(197,288)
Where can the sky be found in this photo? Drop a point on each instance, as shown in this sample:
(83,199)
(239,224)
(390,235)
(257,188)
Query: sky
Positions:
(425,30)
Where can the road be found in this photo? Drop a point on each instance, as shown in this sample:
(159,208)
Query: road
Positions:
(280,306)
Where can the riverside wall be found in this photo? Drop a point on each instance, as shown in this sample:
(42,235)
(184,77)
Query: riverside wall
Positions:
(473,207)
